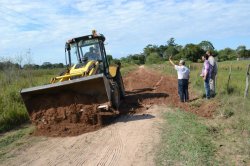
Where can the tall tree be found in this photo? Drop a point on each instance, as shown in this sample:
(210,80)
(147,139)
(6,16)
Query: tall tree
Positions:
(172,48)
(150,49)
(161,50)
(206,45)
(241,51)
(170,51)
(226,54)
(192,52)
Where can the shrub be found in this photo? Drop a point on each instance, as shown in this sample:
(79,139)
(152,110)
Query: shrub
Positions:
(153,58)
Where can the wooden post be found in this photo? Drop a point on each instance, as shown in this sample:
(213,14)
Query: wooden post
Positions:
(229,77)
(247,82)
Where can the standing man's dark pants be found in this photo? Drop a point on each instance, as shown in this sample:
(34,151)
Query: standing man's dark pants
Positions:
(183,89)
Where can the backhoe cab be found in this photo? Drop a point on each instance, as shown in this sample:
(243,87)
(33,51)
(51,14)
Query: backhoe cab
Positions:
(85,56)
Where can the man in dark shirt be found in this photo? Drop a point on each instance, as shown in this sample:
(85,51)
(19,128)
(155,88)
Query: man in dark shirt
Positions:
(91,55)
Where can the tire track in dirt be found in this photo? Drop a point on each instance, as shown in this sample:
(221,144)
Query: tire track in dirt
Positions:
(40,151)
(79,158)
(114,150)
(71,155)
(77,154)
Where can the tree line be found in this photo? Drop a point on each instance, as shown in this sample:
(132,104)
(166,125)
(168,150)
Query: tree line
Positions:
(192,52)
(45,65)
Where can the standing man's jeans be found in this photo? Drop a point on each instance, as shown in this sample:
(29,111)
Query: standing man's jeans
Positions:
(212,85)
(183,89)
(207,88)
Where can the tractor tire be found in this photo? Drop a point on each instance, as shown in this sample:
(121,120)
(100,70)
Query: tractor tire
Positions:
(115,95)
(120,84)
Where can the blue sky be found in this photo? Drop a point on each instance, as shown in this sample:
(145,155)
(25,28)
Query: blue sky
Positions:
(129,25)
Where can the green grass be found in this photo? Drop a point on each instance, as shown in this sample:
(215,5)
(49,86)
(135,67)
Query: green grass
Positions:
(12,140)
(236,85)
(237,81)
(12,109)
(9,139)
(232,131)
(185,141)
(126,68)
(229,130)
(223,140)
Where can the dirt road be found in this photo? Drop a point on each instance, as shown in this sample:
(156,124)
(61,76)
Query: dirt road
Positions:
(130,140)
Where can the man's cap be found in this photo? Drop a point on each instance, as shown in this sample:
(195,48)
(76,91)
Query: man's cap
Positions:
(182,61)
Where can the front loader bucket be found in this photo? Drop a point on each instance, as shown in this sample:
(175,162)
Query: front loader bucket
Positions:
(82,91)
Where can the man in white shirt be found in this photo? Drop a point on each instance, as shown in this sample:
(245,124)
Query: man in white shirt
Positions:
(183,77)
(212,82)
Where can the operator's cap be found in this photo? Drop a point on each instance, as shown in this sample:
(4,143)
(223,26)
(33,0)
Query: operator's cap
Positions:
(182,62)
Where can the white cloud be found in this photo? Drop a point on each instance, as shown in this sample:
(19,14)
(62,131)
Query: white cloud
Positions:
(44,26)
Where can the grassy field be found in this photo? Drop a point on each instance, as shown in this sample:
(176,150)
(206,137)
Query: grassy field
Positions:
(185,141)
(12,110)
(221,140)
(235,86)
(237,81)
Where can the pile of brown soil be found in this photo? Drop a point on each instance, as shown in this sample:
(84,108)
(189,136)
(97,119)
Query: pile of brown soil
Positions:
(69,120)
(146,88)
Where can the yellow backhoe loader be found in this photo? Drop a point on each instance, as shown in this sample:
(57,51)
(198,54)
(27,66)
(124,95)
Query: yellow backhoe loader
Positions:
(88,80)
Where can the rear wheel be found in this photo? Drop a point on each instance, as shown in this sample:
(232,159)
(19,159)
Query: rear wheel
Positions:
(115,96)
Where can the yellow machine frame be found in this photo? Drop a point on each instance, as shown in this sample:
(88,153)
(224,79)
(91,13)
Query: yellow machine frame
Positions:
(89,69)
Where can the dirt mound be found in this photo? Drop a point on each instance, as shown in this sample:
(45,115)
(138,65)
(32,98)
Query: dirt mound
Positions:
(57,116)
(144,88)
(66,121)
